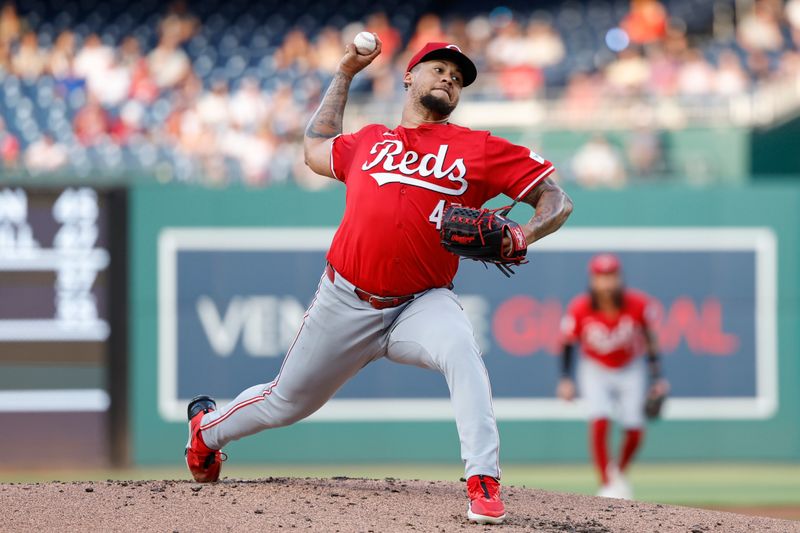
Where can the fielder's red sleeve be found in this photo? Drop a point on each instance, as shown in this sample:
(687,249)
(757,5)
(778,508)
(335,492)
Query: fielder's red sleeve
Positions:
(571,322)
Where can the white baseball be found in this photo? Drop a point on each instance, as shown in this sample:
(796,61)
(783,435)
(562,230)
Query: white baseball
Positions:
(365,43)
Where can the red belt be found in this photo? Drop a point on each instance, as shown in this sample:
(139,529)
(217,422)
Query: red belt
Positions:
(378,302)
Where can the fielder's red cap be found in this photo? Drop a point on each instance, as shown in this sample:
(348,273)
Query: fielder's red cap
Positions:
(604,264)
(449,52)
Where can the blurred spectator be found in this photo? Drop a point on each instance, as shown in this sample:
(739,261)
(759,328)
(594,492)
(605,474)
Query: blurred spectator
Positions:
(793,17)
(9,147)
(629,73)
(294,53)
(179,24)
(675,43)
(191,89)
(510,55)
(30,61)
(582,96)
(168,64)
(252,153)
(213,109)
(129,122)
(174,122)
(113,86)
(130,53)
(456,32)
(382,72)
(643,149)
(598,164)
(543,45)
(283,166)
(286,117)
(664,69)
(758,65)
(520,81)
(94,59)
(194,137)
(506,48)
(91,123)
(386,87)
(696,77)
(646,22)
(790,65)
(730,78)
(256,162)
(479,31)
(45,155)
(759,30)
(248,107)
(390,37)
(11,25)
(143,87)
(5,59)
(62,64)
(328,50)
(62,56)
(429,30)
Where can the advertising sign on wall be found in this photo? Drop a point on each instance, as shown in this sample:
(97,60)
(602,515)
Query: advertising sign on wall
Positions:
(230,302)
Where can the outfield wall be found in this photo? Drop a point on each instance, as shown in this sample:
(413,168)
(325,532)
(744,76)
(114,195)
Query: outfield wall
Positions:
(220,279)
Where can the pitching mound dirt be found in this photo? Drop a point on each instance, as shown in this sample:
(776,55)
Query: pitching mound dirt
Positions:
(337,505)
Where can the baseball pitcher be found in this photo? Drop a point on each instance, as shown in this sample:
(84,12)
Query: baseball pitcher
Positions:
(414,193)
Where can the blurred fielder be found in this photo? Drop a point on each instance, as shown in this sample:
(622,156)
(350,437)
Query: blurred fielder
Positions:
(613,325)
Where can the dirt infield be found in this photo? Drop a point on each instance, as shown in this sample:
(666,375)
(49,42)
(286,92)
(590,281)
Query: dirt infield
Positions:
(337,505)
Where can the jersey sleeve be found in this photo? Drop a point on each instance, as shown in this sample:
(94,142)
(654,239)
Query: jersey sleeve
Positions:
(645,309)
(512,169)
(343,149)
(570,323)
(650,312)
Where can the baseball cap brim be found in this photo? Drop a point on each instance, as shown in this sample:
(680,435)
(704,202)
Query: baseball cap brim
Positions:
(468,70)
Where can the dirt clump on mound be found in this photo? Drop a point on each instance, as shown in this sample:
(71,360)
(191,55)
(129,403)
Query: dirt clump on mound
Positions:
(338,505)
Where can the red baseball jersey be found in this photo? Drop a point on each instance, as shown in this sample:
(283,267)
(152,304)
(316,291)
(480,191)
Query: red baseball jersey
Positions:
(399,183)
(612,341)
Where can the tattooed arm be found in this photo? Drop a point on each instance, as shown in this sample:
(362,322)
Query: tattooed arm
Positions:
(327,120)
(552,206)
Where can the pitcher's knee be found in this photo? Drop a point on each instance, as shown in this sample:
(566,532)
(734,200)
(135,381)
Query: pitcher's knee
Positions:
(460,354)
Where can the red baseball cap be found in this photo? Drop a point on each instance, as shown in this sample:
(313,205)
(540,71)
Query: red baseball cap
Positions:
(450,52)
(604,264)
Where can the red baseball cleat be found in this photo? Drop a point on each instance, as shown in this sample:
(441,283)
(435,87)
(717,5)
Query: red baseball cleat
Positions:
(203,462)
(485,505)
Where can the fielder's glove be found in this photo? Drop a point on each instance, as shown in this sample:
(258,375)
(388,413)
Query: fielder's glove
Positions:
(478,234)
(653,406)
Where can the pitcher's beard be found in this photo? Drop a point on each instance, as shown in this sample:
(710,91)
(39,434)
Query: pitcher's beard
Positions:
(437,105)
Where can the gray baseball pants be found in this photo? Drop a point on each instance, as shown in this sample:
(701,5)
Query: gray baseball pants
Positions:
(340,335)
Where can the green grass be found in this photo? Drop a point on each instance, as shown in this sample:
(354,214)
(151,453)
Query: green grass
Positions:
(700,484)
